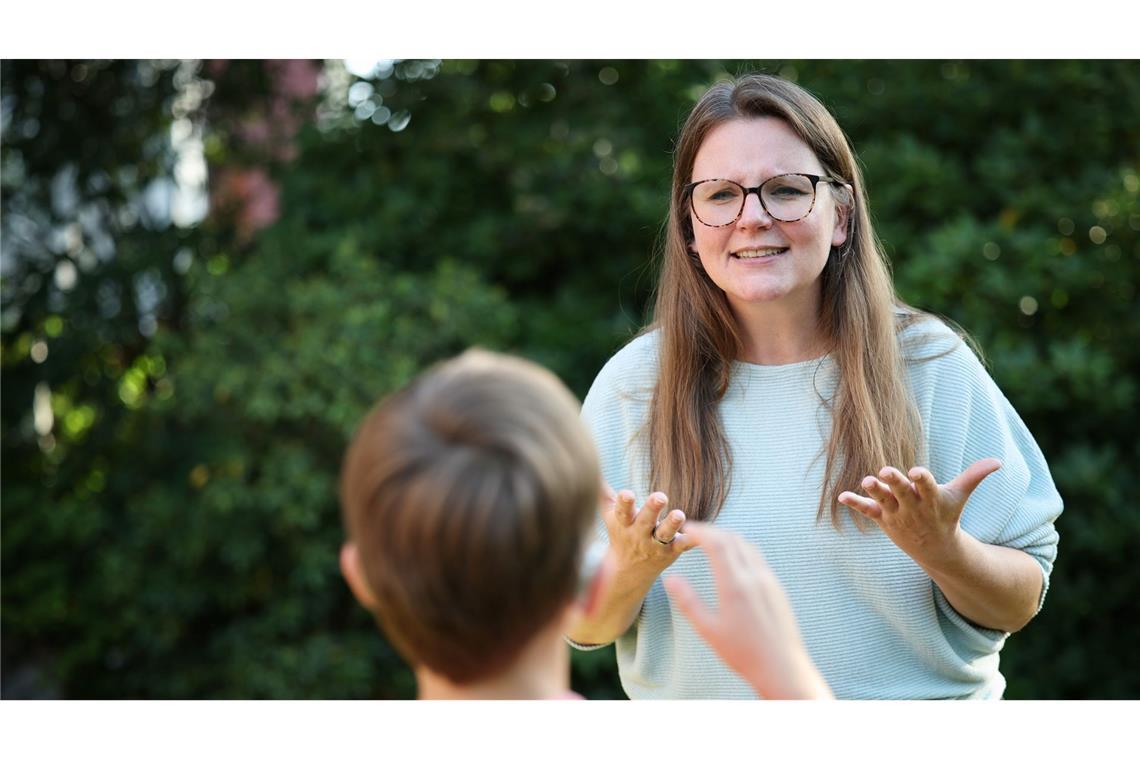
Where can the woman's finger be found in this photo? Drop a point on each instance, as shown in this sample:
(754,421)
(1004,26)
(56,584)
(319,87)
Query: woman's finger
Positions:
(972,476)
(648,513)
(695,534)
(623,507)
(666,530)
(861,504)
(899,485)
(879,491)
(924,483)
(682,542)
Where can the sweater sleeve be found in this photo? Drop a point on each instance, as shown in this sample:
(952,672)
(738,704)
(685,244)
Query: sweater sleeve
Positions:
(615,410)
(609,415)
(968,418)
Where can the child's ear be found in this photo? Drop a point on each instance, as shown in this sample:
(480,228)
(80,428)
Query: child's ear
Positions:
(354,575)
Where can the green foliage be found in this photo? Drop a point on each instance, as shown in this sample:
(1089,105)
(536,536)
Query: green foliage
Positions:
(175,534)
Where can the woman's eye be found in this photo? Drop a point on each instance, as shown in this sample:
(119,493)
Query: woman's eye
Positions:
(787,191)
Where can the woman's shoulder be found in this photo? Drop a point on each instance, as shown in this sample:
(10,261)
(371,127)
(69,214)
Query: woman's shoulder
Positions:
(635,358)
(938,351)
(632,368)
(924,336)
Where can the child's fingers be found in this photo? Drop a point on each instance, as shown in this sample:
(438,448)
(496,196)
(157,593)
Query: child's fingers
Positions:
(690,605)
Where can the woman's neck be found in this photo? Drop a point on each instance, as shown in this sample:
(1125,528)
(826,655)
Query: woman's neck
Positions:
(541,671)
(780,332)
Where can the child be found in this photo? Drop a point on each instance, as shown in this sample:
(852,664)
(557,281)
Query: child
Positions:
(469,497)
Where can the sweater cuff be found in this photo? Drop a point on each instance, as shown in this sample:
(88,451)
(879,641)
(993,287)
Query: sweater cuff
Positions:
(983,641)
(584,647)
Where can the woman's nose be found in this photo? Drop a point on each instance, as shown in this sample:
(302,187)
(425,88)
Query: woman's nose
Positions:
(753,213)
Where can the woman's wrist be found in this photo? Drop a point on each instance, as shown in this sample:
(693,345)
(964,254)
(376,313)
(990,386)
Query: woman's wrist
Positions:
(946,558)
(619,606)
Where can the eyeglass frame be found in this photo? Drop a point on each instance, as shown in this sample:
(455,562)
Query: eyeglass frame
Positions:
(687,191)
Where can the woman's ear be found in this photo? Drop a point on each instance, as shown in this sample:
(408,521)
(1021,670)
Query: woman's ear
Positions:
(354,576)
(842,218)
(695,256)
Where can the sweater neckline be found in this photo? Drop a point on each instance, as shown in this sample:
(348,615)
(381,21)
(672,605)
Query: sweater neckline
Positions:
(782,369)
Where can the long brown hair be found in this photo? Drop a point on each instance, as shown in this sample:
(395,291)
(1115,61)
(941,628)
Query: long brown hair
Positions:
(875,420)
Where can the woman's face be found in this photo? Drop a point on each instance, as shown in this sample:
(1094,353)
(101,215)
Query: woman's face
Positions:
(750,151)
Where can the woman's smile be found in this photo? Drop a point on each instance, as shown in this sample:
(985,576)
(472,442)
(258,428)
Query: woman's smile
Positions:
(764,253)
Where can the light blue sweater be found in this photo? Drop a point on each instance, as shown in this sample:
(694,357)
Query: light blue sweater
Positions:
(874,623)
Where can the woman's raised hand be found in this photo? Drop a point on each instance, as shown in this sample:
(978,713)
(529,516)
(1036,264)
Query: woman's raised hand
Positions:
(641,540)
(920,516)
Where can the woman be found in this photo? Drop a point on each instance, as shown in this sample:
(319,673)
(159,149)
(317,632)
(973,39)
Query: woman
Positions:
(784,391)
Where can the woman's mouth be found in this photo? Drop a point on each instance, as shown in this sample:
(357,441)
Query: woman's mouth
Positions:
(758,253)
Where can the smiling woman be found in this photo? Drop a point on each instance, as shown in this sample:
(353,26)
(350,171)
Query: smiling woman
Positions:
(780,375)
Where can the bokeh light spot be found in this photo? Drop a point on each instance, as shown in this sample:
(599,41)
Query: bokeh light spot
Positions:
(199,476)
(399,120)
(501,102)
(39,352)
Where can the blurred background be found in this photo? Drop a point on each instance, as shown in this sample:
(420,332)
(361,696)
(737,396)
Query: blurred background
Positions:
(211,269)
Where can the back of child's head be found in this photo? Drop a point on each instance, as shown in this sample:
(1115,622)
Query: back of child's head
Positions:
(468,495)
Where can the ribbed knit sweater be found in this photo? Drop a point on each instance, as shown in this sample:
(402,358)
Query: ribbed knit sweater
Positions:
(873,621)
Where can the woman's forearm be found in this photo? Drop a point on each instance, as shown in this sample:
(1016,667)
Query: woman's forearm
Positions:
(992,586)
(615,611)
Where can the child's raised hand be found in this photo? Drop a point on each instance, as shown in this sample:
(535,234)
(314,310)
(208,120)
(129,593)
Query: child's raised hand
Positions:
(753,628)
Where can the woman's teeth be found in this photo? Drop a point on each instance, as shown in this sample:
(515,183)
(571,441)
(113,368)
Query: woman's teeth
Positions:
(761,254)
